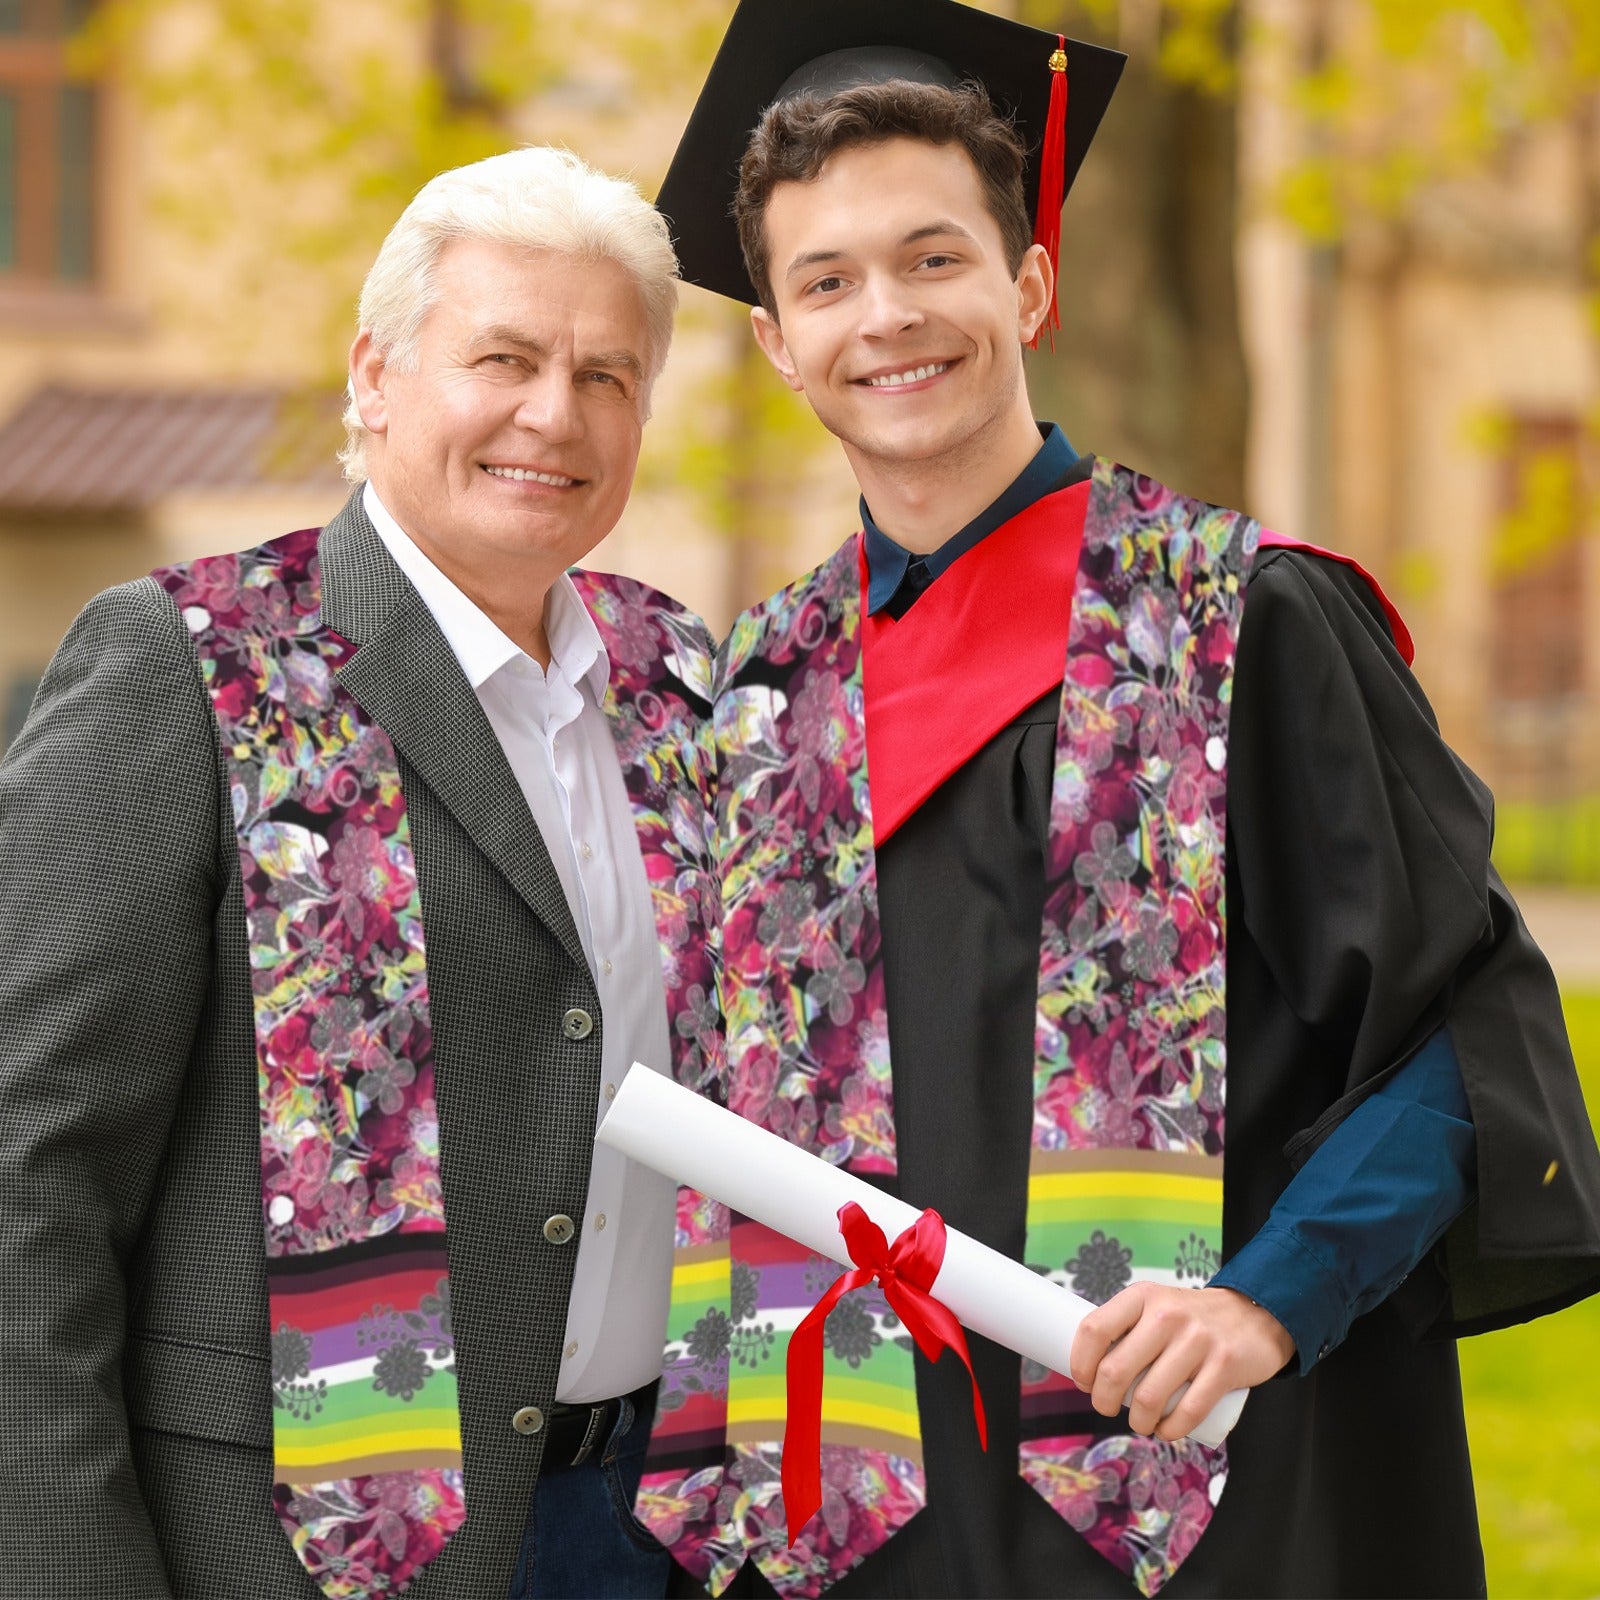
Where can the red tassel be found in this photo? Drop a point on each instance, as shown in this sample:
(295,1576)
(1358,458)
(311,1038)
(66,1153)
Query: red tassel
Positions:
(1052,183)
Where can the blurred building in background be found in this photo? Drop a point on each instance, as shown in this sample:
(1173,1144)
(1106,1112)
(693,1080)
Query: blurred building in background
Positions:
(1425,387)
(175,306)
(121,445)
(191,189)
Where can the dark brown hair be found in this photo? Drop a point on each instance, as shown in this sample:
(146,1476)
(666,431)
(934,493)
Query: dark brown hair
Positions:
(795,138)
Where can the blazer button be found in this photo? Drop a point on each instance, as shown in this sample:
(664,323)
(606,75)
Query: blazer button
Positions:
(559,1229)
(577,1023)
(530,1419)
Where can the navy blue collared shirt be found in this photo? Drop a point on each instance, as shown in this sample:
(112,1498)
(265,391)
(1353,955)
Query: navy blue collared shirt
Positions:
(1379,1192)
(897,577)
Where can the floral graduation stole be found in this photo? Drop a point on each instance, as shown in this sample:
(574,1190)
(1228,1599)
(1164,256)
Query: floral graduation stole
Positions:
(808,1057)
(1126,1170)
(658,702)
(367,1477)
(1130,1040)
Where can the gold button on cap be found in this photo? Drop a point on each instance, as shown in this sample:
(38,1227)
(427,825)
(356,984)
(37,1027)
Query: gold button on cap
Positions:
(559,1229)
(577,1023)
(530,1419)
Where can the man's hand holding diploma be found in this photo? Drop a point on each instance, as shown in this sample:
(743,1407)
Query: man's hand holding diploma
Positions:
(1215,1340)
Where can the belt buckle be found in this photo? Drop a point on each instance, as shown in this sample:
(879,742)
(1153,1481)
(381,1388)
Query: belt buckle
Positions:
(590,1433)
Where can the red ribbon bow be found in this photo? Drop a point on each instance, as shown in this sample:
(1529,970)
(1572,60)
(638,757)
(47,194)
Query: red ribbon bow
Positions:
(906,1270)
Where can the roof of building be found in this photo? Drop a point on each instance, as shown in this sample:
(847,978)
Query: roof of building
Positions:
(95,450)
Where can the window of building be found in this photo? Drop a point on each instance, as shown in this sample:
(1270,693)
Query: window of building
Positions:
(48,132)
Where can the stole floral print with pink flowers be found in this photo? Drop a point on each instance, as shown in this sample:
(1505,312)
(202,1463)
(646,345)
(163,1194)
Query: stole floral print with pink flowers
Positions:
(804,1023)
(1148,682)
(354,1212)
(352,1205)
(659,706)
(1130,1042)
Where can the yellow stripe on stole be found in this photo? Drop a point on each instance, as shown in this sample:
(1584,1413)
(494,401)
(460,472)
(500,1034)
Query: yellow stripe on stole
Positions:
(1120,1185)
(360,1445)
(882,1419)
(702,1272)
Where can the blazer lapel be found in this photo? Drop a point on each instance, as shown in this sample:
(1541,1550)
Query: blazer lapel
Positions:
(407,678)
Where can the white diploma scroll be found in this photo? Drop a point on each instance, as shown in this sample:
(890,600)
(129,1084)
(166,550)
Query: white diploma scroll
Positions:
(673,1131)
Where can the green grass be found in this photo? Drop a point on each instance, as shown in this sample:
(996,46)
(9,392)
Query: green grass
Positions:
(1548,841)
(1533,1414)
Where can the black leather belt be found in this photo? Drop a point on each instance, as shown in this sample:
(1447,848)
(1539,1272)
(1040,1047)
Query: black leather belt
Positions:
(574,1433)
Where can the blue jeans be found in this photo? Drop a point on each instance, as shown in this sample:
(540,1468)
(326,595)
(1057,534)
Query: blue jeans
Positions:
(582,1540)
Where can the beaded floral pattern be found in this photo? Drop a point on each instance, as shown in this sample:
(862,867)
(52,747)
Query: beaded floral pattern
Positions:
(1130,1040)
(349,1127)
(808,1034)
(658,704)
(350,1146)
(808,1058)
(1131,1033)
(1142,1503)
(867,1495)
(872,1484)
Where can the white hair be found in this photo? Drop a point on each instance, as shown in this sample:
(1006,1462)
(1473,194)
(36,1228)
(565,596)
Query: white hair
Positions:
(537,197)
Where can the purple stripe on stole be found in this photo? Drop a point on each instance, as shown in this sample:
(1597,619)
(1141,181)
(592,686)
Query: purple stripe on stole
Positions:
(331,1347)
(784,1287)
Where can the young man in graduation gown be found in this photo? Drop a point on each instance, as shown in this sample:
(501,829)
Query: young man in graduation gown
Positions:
(341,879)
(1094,873)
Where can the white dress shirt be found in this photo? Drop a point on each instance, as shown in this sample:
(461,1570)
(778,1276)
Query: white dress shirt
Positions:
(555,735)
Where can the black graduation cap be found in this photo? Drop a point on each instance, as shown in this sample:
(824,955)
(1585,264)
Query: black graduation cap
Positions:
(777,48)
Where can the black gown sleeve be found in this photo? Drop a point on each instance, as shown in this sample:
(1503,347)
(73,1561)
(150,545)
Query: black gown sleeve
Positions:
(1367,913)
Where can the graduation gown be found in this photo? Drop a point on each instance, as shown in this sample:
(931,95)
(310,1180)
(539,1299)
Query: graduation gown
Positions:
(1362,913)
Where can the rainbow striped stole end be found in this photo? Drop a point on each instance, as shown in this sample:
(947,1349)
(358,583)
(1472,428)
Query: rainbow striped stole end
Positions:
(700,1279)
(692,1404)
(869,1395)
(363,1361)
(865,1413)
(1097,1219)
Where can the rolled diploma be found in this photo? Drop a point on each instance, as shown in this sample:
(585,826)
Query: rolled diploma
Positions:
(672,1130)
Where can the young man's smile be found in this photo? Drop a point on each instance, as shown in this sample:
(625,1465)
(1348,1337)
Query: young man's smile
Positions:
(903,380)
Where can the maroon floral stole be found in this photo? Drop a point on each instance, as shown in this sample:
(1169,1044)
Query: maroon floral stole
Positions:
(1137,832)
(367,1447)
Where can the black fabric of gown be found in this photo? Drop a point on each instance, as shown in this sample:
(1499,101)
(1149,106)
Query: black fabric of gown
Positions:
(1362,912)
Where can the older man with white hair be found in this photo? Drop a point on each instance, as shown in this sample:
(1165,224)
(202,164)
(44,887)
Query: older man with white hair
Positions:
(340,880)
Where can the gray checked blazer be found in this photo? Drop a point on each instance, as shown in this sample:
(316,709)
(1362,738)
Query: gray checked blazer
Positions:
(135,1438)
